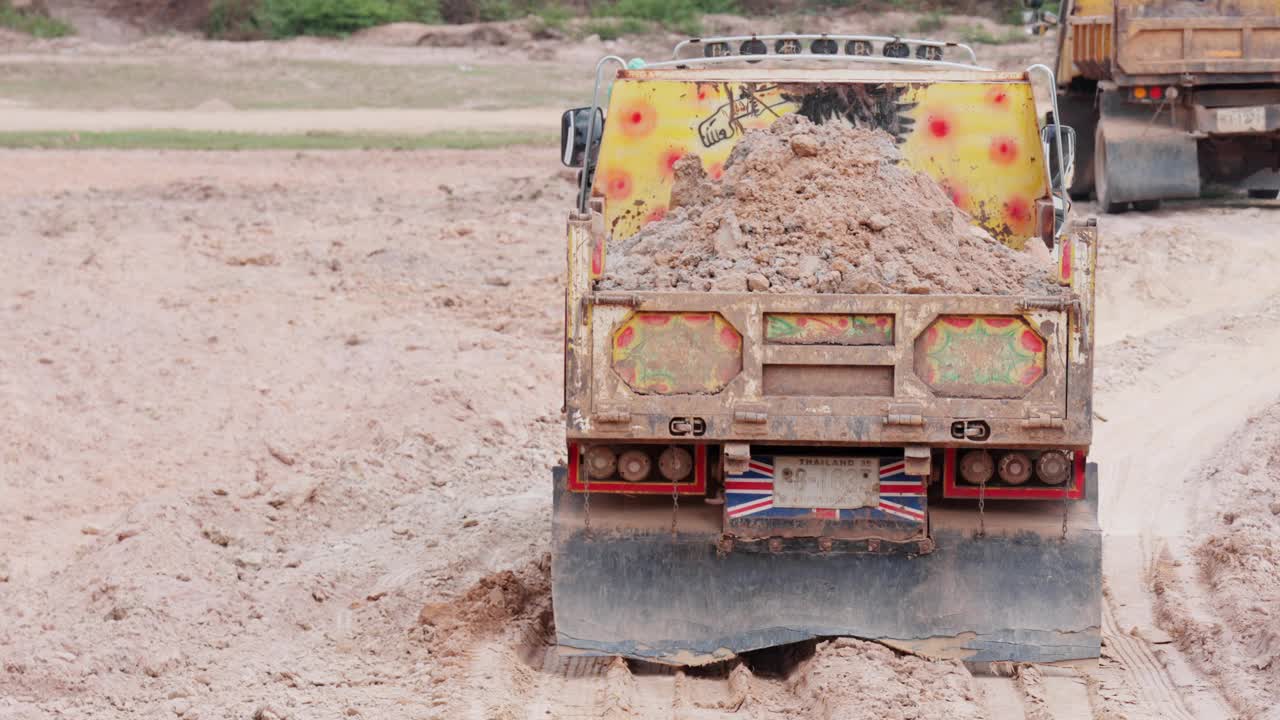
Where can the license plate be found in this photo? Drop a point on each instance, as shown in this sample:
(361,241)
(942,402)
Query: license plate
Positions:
(1242,119)
(826,482)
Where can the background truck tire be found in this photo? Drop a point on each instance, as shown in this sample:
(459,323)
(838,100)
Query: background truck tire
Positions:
(1100,176)
(1079,111)
(1264,194)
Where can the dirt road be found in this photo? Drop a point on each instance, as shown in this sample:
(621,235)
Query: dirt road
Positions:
(282,121)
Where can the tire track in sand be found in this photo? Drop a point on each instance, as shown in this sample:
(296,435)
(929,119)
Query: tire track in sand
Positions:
(1183,397)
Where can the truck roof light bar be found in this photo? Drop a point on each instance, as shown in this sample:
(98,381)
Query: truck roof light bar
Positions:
(788,45)
(871,59)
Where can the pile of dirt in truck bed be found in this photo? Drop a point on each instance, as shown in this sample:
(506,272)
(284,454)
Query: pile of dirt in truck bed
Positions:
(818,208)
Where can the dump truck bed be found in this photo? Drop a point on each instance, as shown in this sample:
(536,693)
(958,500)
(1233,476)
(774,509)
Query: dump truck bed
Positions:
(1150,41)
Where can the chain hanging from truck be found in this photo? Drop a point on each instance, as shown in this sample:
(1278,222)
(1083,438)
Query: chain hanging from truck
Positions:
(586,506)
(982,508)
(1064,512)
(675,507)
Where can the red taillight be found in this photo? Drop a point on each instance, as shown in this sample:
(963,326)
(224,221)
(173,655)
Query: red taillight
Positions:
(1157,92)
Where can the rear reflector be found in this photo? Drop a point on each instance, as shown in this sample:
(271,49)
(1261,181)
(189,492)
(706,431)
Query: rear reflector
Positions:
(671,353)
(980,356)
(828,329)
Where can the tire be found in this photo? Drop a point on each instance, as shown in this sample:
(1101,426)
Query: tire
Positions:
(1079,110)
(1100,176)
(1264,194)
(1146,205)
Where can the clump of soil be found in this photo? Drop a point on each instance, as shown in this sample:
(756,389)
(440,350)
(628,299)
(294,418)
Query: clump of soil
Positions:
(507,608)
(495,599)
(818,208)
(849,678)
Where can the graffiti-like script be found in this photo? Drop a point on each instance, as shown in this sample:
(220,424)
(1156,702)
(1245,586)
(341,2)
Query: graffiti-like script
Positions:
(726,121)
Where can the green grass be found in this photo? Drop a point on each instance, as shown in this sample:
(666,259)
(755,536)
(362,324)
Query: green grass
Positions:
(931,22)
(257,19)
(553,16)
(614,28)
(978,35)
(205,140)
(32,22)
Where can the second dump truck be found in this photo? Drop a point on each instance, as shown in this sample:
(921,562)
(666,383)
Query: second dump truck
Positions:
(747,469)
(1171,97)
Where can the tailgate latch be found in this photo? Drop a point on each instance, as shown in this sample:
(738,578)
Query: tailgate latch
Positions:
(615,298)
(736,458)
(918,459)
(611,416)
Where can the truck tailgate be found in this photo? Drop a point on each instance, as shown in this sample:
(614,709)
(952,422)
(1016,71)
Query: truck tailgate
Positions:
(834,368)
(1163,37)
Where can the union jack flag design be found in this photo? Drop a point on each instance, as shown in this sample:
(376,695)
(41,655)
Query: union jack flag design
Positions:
(902,497)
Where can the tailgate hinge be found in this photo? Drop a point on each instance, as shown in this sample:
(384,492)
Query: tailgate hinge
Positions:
(905,415)
(1044,420)
(752,413)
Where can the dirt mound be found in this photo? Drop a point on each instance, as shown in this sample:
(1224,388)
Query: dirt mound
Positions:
(157,15)
(818,208)
(511,32)
(495,599)
(1235,637)
(849,678)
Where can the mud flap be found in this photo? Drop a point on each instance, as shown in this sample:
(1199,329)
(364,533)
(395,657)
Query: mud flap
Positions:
(1021,592)
(1146,158)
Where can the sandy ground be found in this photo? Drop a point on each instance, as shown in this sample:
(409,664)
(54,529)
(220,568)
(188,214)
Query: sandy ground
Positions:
(387,120)
(279,430)
(264,408)
(258,406)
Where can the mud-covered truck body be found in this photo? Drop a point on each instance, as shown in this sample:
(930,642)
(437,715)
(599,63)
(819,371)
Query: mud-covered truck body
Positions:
(748,469)
(1171,97)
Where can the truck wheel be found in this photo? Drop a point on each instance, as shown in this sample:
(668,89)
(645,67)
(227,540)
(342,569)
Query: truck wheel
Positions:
(1080,112)
(1264,194)
(1100,179)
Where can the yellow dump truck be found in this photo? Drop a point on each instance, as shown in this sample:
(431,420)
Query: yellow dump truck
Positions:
(749,469)
(1171,97)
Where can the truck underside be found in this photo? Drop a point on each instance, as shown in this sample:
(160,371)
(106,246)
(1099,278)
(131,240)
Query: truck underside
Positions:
(655,580)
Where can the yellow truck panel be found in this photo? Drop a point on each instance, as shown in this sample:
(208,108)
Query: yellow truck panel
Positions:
(978,139)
